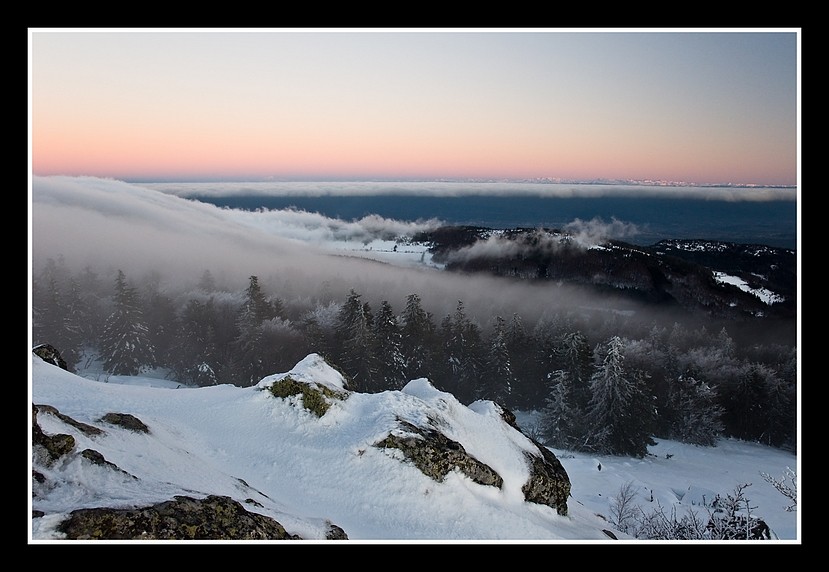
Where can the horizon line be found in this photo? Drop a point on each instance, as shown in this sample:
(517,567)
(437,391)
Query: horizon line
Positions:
(507,180)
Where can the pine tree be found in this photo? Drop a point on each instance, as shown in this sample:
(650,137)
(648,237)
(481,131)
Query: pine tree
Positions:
(207,283)
(158,313)
(389,354)
(79,332)
(621,416)
(758,406)
(576,358)
(417,332)
(249,346)
(125,344)
(194,356)
(499,379)
(565,415)
(560,421)
(356,343)
(319,326)
(464,354)
(528,393)
(93,295)
(57,315)
(693,411)
(568,387)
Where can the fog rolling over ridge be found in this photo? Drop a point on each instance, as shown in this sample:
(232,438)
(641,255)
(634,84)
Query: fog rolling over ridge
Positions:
(109,224)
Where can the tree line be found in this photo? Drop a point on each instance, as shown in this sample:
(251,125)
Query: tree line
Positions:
(607,388)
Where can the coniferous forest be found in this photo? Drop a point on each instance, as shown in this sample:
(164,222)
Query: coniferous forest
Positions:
(608,385)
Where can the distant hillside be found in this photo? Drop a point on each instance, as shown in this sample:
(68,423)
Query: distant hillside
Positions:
(720,279)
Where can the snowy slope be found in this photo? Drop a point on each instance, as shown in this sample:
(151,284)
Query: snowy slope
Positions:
(302,470)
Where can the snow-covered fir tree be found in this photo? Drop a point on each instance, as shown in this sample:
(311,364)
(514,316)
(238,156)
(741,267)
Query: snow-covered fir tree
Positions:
(421,344)
(568,391)
(560,425)
(464,355)
(126,348)
(694,413)
(391,364)
(356,343)
(621,416)
(499,379)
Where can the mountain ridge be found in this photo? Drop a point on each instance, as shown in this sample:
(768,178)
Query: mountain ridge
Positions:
(720,279)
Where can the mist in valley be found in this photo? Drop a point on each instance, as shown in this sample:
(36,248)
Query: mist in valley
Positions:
(108,225)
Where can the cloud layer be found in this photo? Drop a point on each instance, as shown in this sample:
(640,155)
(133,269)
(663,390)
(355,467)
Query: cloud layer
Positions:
(458,188)
(105,223)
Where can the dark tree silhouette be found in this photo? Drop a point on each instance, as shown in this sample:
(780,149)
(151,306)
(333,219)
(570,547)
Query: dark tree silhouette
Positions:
(250,348)
(693,412)
(194,357)
(58,313)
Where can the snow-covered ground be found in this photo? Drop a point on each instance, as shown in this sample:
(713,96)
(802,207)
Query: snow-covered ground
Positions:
(305,470)
(399,252)
(764,294)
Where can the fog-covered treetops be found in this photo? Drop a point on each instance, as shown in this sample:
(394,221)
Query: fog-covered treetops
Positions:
(683,381)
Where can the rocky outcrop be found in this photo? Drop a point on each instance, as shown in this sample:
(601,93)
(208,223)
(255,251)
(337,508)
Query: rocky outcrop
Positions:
(548,483)
(183,518)
(50,355)
(127,421)
(88,430)
(421,434)
(49,447)
(316,398)
(436,455)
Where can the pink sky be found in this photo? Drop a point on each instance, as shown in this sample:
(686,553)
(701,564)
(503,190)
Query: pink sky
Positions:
(696,107)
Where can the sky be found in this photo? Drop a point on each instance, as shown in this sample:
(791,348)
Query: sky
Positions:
(696,105)
(306,471)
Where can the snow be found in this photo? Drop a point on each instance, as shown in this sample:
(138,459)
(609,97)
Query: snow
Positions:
(405,253)
(765,295)
(306,471)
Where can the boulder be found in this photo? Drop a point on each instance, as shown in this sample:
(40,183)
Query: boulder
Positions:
(183,518)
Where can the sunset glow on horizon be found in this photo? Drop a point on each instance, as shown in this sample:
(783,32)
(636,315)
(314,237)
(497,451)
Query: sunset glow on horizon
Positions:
(698,106)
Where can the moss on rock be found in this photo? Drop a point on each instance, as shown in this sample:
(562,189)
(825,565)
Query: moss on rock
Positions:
(315,398)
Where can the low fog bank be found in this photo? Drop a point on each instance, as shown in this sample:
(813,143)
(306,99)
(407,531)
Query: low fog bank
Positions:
(579,233)
(311,262)
(112,225)
(466,188)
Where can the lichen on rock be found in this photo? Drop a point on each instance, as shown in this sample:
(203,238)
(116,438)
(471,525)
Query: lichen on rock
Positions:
(183,518)
(436,455)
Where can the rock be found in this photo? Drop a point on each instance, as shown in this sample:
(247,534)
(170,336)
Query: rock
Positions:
(126,421)
(436,455)
(183,518)
(52,447)
(50,355)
